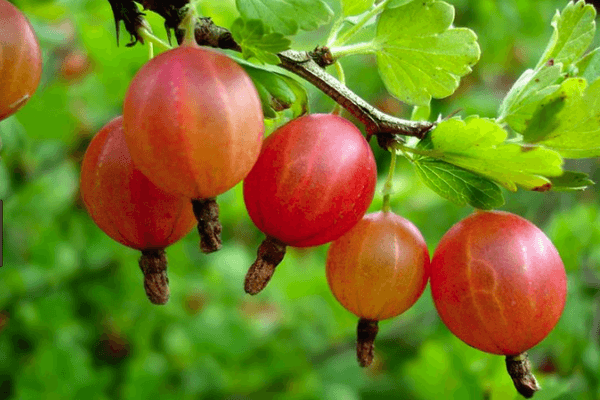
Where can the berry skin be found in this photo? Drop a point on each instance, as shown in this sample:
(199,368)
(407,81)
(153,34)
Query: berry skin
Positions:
(314,180)
(131,209)
(193,122)
(498,282)
(20,60)
(377,270)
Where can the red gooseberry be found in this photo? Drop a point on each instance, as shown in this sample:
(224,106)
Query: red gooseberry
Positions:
(131,209)
(498,283)
(377,270)
(194,125)
(20,60)
(314,180)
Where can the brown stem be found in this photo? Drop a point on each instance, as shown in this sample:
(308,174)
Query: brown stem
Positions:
(153,264)
(519,369)
(269,255)
(366,331)
(305,65)
(209,226)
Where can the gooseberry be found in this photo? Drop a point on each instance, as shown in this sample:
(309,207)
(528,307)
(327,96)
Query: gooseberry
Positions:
(498,283)
(20,60)
(194,126)
(314,180)
(377,270)
(130,209)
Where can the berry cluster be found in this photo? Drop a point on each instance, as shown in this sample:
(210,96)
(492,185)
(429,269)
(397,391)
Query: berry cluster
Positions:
(497,281)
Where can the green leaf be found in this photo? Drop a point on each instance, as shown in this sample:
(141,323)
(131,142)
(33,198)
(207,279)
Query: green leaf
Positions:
(397,3)
(421,113)
(589,66)
(576,132)
(544,120)
(478,145)
(278,92)
(287,16)
(459,185)
(419,54)
(527,93)
(571,180)
(574,30)
(355,7)
(256,40)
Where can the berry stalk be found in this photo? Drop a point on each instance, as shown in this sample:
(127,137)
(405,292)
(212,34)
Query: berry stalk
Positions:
(153,264)
(209,226)
(519,369)
(366,331)
(269,255)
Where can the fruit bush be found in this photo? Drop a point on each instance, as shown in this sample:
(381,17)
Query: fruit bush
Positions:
(465,105)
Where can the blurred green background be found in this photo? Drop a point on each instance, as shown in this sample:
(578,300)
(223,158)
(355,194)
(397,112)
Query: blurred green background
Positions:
(75,322)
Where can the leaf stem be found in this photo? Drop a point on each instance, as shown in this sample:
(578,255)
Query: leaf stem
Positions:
(335,29)
(388,186)
(366,18)
(149,36)
(352,49)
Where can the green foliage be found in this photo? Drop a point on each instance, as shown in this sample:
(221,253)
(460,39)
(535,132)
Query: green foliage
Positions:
(286,17)
(355,7)
(278,92)
(256,41)
(419,55)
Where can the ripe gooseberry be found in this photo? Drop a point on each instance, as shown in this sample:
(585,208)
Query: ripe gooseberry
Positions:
(377,270)
(131,209)
(314,180)
(20,60)
(194,126)
(499,285)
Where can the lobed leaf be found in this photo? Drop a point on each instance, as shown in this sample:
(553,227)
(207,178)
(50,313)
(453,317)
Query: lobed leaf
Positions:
(574,30)
(459,185)
(478,145)
(257,41)
(287,17)
(419,54)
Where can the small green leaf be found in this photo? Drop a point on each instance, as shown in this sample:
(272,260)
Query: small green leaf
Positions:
(571,180)
(459,185)
(278,92)
(478,145)
(286,17)
(574,30)
(576,133)
(256,40)
(419,54)
(589,66)
(527,93)
(355,7)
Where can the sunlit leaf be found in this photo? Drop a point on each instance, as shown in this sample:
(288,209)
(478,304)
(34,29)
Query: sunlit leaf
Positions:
(419,54)
(478,145)
(574,30)
(288,16)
